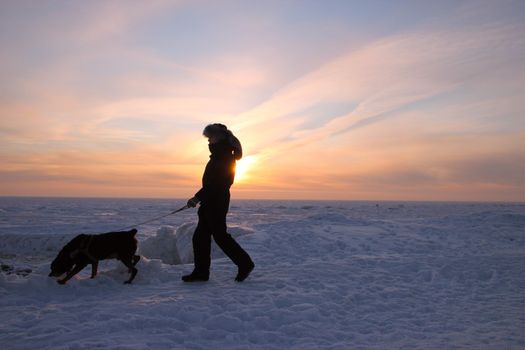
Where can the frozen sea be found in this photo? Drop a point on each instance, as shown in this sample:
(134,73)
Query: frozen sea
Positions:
(329,275)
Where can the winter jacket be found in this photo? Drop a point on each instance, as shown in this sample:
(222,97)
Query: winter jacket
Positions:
(219,173)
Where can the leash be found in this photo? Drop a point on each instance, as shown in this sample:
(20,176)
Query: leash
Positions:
(154,219)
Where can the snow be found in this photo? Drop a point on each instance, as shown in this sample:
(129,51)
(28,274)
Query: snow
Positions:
(329,275)
(175,246)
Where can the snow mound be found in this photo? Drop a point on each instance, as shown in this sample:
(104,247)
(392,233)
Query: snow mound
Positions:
(162,246)
(174,246)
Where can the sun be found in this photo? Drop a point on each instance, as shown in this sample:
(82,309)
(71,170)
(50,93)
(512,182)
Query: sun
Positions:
(243,167)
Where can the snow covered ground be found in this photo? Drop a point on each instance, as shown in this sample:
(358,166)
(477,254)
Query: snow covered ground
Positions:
(329,275)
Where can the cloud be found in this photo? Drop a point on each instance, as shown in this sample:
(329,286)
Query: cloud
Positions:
(409,87)
(421,110)
(387,75)
(93,173)
(503,169)
(109,18)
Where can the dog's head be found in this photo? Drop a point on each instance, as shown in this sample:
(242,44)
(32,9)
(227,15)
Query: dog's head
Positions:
(63,263)
(65,259)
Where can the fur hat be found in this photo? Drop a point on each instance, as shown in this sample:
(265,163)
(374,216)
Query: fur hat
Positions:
(222,131)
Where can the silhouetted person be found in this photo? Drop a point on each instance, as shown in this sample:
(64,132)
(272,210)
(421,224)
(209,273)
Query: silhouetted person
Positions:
(214,198)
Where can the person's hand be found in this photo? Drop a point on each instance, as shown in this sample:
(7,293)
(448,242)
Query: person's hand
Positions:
(192,202)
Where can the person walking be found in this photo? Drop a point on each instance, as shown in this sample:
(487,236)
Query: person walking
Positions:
(214,199)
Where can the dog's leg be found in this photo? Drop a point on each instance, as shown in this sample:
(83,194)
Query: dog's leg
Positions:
(76,269)
(94,269)
(129,264)
(134,261)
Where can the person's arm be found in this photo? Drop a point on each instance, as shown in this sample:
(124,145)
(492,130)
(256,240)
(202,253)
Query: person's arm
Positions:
(201,194)
(236,145)
(197,198)
(192,202)
(218,178)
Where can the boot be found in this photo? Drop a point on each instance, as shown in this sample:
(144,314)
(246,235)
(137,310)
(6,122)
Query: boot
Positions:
(196,277)
(244,272)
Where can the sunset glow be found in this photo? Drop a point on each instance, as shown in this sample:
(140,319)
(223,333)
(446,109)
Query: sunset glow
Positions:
(242,171)
(410,100)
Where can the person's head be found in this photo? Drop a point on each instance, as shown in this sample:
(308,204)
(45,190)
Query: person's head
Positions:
(218,132)
(215,132)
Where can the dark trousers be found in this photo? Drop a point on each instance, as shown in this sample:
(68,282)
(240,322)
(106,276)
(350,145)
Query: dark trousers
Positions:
(212,222)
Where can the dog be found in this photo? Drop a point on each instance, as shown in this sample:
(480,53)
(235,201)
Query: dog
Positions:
(90,249)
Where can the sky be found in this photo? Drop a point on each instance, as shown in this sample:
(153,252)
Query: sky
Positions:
(343,100)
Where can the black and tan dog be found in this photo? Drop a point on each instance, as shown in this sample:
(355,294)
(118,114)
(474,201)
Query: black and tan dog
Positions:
(89,249)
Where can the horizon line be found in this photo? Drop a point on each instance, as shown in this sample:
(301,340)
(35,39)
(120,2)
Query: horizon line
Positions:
(276,199)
